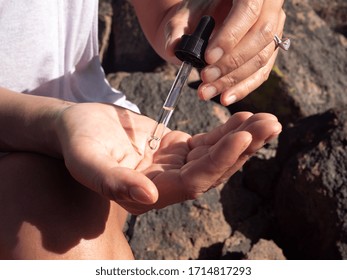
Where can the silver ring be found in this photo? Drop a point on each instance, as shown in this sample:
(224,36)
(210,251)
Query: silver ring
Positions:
(284,44)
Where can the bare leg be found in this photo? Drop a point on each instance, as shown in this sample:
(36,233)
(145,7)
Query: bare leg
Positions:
(46,214)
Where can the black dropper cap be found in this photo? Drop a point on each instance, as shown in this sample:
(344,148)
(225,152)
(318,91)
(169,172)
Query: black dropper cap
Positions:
(192,47)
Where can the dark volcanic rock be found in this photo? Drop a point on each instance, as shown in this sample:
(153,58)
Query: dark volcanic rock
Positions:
(311,195)
(265,250)
(190,230)
(333,12)
(247,199)
(236,246)
(315,67)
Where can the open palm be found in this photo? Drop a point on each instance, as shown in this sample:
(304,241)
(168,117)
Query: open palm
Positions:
(106,149)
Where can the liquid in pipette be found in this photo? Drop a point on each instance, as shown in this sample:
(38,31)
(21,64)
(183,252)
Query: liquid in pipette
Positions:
(160,127)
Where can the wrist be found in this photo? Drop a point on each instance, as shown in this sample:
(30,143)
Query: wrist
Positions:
(50,123)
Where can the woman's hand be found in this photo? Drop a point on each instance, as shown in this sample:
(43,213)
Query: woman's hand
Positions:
(241,52)
(106,149)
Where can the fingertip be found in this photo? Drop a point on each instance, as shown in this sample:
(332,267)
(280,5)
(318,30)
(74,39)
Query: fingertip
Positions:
(200,92)
(247,139)
(124,184)
(227,100)
(230,147)
(277,130)
(207,92)
(242,139)
(142,190)
(278,127)
(211,74)
(143,196)
(213,54)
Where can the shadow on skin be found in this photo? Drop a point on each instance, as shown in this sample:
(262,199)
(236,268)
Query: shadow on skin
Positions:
(38,190)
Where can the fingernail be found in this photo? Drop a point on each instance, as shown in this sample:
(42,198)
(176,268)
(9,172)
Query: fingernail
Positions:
(214,55)
(248,142)
(230,99)
(211,74)
(274,135)
(139,195)
(208,92)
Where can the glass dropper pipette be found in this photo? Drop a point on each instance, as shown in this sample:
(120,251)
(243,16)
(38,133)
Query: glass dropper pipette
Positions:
(190,51)
(169,104)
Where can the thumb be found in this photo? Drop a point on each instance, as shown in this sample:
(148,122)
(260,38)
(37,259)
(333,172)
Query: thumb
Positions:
(175,28)
(125,185)
(120,184)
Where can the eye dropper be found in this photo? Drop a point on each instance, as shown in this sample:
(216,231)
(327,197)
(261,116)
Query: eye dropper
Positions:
(190,51)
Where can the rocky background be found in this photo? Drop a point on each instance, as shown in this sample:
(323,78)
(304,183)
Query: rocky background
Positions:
(290,200)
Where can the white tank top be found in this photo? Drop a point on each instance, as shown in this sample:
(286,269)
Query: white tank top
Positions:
(50,48)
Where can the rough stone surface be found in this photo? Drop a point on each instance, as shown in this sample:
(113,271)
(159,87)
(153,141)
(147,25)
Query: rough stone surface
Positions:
(334,13)
(315,67)
(190,230)
(265,250)
(236,246)
(311,194)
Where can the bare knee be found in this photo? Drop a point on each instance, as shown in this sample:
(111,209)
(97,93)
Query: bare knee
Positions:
(45,213)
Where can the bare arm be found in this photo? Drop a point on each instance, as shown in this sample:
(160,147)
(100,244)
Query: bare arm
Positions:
(27,123)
